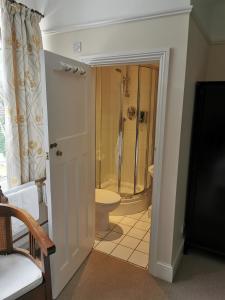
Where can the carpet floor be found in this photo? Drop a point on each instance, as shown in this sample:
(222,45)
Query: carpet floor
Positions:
(103,277)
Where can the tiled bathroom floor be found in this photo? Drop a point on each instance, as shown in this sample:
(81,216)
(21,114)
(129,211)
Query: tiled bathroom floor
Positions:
(127,239)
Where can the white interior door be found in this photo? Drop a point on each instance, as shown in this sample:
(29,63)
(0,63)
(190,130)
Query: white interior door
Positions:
(71,173)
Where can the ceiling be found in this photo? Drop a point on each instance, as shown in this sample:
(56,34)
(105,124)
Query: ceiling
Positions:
(61,14)
(64,15)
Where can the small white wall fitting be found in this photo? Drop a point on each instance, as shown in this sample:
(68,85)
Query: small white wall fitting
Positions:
(77,47)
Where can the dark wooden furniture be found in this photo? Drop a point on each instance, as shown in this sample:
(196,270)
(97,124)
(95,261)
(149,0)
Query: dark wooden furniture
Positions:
(205,213)
(38,240)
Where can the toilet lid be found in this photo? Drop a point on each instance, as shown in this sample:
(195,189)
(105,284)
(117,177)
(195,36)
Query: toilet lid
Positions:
(106,197)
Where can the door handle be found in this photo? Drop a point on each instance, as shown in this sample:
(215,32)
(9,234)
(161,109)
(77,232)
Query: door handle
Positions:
(59,153)
(53,145)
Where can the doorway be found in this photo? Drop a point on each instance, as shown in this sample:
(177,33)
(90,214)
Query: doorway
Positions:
(155,267)
(126,102)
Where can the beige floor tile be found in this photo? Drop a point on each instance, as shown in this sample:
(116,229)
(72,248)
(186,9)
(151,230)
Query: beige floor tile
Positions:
(122,228)
(136,233)
(146,238)
(98,238)
(96,243)
(139,258)
(143,247)
(142,225)
(115,219)
(101,234)
(112,225)
(136,216)
(130,242)
(105,246)
(145,218)
(128,221)
(122,252)
(114,237)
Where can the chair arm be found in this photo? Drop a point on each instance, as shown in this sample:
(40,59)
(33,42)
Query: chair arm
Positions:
(46,245)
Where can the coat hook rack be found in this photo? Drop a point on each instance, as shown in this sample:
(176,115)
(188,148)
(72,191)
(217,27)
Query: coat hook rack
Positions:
(64,67)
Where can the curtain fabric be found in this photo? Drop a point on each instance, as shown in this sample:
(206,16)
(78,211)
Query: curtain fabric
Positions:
(22,92)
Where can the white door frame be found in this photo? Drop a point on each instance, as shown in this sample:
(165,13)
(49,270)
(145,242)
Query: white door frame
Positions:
(134,57)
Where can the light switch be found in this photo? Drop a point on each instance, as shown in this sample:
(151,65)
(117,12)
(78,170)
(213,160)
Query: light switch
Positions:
(77,47)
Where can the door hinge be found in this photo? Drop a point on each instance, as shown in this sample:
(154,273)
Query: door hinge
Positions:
(47,156)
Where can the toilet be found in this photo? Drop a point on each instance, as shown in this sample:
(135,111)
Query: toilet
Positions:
(105,202)
(151,170)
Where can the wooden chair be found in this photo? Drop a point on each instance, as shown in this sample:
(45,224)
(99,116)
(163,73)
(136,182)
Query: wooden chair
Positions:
(35,261)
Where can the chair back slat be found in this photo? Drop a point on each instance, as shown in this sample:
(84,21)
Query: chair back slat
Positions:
(6,242)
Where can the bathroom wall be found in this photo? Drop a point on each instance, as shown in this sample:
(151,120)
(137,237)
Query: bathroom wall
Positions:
(166,32)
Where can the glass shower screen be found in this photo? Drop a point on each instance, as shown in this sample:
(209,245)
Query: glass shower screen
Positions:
(125,112)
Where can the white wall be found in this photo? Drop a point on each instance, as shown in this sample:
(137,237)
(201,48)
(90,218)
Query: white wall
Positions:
(146,35)
(63,13)
(196,71)
(216,62)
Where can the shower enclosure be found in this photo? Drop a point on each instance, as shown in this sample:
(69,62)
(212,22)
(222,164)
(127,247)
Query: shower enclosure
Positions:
(125,126)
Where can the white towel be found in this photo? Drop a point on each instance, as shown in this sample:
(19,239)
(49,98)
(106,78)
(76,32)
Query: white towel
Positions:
(25,197)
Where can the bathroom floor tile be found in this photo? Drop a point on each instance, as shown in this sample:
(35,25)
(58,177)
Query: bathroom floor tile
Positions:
(102,234)
(114,237)
(105,246)
(122,228)
(98,238)
(112,225)
(136,233)
(115,219)
(127,238)
(130,242)
(122,252)
(139,258)
(143,247)
(146,238)
(96,243)
(128,221)
(142,225)
(136,216)
(145,218)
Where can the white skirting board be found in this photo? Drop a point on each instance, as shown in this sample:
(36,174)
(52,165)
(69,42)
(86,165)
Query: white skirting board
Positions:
(166,271)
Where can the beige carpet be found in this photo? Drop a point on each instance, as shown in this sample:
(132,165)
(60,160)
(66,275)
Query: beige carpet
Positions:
(103,277)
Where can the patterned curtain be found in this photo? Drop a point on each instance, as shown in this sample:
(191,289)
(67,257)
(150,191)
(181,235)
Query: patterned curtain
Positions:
(21,48)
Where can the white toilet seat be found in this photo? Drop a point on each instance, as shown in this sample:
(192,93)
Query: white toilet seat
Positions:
(103,196)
